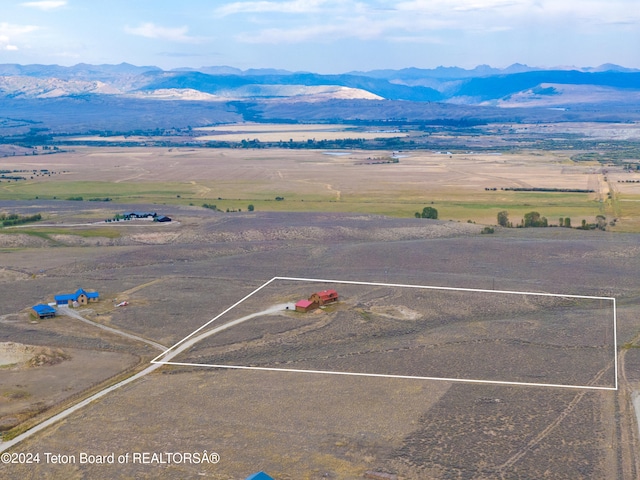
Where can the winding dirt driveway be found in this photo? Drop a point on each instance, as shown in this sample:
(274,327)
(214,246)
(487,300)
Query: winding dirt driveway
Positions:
(166,356)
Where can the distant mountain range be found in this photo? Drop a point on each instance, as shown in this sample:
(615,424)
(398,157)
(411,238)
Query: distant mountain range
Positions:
(482,85)
(97,96)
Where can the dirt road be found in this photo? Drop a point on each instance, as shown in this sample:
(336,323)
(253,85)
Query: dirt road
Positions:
(176,350)
(72,313)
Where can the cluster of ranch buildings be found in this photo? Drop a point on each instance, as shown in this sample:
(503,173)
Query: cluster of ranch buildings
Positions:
(152,215)
(83,297)
(140,215)
(317,300)
(79,297)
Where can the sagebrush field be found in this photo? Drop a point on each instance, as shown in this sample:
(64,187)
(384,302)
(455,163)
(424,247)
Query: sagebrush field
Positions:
(241,216)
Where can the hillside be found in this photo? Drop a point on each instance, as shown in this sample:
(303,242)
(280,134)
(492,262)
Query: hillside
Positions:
(126,97)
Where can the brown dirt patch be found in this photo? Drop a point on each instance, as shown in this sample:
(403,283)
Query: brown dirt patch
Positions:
(40,377)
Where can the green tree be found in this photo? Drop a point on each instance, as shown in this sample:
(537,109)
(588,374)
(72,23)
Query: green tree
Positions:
(567,222)
(533,219)
(429,212)
(503,218)
(250,207)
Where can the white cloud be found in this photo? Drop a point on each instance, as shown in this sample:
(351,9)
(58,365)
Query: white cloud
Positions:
(45,4)
(294,35)
(150,30)
(361,27)
(289,6)
(9,32)
(416,39)
(404,18)
(525,11)
(397,21)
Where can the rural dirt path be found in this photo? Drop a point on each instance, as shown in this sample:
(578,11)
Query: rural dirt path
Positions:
(69,312)
(144,285)
(628,406)
(502,469)
(202,191)
(186,343)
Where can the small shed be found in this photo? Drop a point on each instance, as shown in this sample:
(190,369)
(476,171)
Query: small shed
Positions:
(162,218)
(44,311)
(324,297)
(305,306)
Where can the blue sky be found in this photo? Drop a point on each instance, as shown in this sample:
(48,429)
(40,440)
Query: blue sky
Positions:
(324,36)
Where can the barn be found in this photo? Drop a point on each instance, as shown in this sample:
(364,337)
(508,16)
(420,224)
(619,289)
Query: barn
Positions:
(44,311)
(305,306)
(81,297)
(316,300)
(324,297)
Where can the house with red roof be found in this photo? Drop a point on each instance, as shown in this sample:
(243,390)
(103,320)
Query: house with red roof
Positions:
(316,300)
(324,297)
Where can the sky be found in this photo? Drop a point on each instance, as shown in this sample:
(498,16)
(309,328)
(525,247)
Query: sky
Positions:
(322,36)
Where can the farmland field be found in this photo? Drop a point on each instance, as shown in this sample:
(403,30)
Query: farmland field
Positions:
(462,187)
(383,329)
(332,214)
(176,277)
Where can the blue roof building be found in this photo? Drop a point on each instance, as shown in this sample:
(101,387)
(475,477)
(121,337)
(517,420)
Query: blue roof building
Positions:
(44,311)
(81,297)
(259,476)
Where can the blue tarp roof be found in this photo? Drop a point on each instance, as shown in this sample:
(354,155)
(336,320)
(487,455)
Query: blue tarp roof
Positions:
(42,309)
(259,476)
(74,296)
(66,296)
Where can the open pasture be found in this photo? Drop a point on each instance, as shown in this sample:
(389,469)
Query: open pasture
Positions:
(459,186)
(422,331)
(306,426)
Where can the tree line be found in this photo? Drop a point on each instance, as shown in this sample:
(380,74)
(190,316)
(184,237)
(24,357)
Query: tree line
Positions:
(534,219)
(15,219)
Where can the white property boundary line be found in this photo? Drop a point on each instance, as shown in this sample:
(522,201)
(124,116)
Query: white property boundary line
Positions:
(168,352)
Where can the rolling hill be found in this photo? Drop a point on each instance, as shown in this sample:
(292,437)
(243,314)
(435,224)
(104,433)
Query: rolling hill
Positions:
(69,98)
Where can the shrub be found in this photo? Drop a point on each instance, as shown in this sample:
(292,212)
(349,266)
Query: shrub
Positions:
(427,212)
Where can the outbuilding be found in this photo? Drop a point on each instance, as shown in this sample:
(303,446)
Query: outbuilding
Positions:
(305,306)
(44,311)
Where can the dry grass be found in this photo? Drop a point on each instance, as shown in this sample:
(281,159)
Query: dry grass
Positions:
(311,180)
(315,426)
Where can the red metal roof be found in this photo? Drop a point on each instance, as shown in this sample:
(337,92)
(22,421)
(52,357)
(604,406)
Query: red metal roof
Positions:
(327,294)
(304,303)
